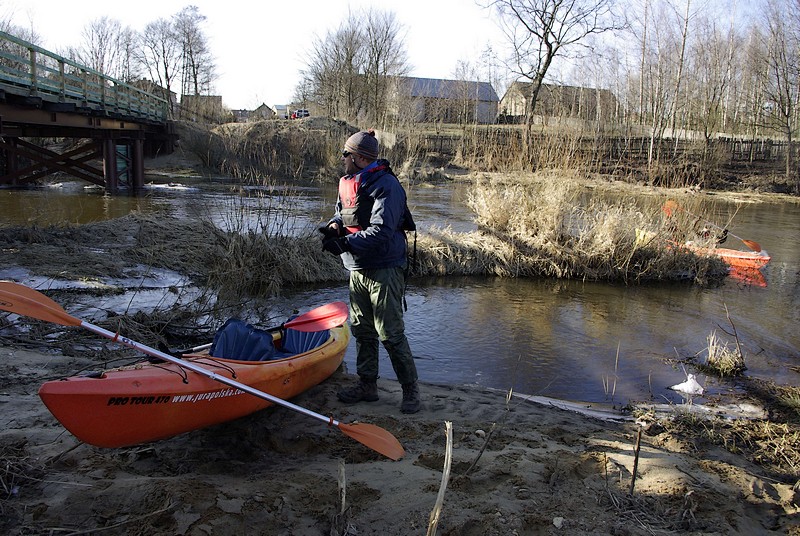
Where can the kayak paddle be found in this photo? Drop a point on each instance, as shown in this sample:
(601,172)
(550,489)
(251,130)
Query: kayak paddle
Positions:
(671,205)
(323,317)
(25,301)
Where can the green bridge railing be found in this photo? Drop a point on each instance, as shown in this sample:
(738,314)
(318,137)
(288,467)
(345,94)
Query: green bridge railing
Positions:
(31,71)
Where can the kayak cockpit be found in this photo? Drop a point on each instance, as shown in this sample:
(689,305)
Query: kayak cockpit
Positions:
(240,341)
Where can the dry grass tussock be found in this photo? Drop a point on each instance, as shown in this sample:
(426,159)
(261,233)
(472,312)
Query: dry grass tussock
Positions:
(288,149)
(722,358)
(552,225)
(772,443)
(100,250)
(221,269)
(237,262)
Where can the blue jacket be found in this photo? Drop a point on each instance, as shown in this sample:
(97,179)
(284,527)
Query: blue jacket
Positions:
(381,243)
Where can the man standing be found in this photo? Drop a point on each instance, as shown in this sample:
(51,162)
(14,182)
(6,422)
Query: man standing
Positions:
(368,232)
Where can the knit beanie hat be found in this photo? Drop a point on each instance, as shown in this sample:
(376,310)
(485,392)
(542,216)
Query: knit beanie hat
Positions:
(364,144)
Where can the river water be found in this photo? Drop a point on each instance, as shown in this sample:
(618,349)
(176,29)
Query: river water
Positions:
(574,340)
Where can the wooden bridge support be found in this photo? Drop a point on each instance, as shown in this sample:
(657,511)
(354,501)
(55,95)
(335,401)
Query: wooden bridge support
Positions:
(137,148)
(110,171)
(23,162)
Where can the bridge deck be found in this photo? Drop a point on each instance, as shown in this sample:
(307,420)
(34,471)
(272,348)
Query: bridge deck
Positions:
(34,76)
(43,95)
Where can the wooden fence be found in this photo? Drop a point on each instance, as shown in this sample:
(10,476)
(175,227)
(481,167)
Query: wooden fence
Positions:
(628,149)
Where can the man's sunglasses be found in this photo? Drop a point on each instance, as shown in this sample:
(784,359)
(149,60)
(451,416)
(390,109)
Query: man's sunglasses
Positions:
(345,154)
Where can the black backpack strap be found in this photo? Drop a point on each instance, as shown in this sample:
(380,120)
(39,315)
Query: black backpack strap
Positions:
(411,267)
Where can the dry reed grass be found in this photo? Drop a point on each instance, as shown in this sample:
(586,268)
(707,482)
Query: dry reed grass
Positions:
(552,226)
(286,149)
(266,247)
(773,444)
(546,226)
(721,359)
(552,147)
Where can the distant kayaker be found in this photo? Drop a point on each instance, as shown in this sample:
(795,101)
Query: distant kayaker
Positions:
(368,232)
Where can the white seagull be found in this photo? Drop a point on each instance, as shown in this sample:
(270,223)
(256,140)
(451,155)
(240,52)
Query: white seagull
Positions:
(689,387)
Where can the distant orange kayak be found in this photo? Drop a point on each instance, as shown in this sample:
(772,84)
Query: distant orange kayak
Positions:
(151,401)
(734,257)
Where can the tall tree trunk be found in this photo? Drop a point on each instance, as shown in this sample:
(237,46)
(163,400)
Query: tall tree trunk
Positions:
(642,66)
(679,77)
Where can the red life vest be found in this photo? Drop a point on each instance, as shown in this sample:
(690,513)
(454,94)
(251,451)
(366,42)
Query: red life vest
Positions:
(355,209)
(348,196)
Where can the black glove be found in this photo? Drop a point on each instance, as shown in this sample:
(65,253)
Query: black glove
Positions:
(335,246)
(328,232)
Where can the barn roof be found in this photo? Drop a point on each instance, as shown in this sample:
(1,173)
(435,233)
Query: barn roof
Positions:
(436,88)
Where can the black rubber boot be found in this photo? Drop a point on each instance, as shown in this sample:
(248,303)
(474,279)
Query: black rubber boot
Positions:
(411,402)
(363,391)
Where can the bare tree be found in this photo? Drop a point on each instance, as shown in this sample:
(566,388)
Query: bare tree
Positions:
(676,100)
(332,76)
(197,63)
(27,34)
(645,20)
(107,47)
(490,70)
(98,50)
(711,72)
(9,50)
(749,108)
(385,56)
(466,93)
(782,75)
(351,68)
(159,52)
(539,31)
(659,39)
(128,68)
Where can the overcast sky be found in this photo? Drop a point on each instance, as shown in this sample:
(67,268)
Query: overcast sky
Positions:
(260,47)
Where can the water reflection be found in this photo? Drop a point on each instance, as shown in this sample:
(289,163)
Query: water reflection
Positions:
(69,203)
(581,341)
(227,205)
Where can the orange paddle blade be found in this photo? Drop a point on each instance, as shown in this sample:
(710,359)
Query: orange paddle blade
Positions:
(25,301)
(322,318)
(375,438)
(752,244)
(27,292)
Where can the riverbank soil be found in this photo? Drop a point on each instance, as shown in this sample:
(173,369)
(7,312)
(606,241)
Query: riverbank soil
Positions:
(517,468)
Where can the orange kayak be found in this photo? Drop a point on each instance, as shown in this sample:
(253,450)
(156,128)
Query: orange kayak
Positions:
(151,401)
(750,260)
(734,257)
